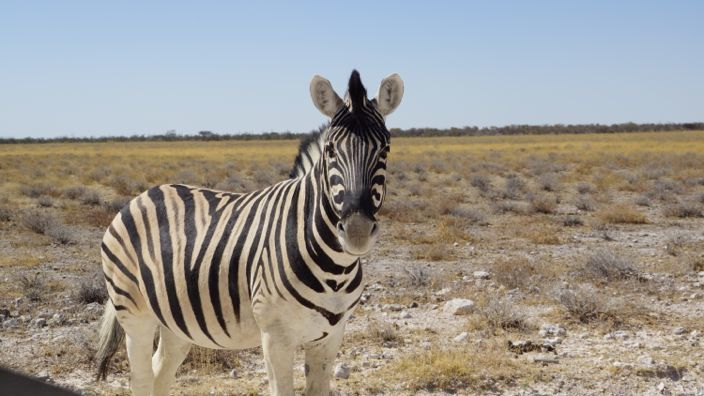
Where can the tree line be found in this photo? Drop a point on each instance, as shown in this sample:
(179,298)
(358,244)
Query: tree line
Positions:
(395,132)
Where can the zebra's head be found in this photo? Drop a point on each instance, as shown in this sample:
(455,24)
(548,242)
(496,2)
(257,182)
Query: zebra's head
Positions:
(353,151)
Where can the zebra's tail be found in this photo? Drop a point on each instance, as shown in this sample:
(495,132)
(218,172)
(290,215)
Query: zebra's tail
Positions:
(111,336)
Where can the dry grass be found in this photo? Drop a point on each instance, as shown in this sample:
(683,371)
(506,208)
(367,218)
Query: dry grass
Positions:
(622,214)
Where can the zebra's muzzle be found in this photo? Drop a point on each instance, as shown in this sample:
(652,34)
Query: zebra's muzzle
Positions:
(357,233)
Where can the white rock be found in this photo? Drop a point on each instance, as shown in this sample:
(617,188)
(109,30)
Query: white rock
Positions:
(392,307)
(10,323)
(462,337)
(543,359)
(443,291)
(459,306)
(552,341)
(342,371)
(646,360)
(679,330)
(404,315)
(480,275)
(548,329)
(661,386)
(39,322)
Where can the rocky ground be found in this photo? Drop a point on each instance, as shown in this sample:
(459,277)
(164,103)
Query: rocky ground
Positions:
(541,274)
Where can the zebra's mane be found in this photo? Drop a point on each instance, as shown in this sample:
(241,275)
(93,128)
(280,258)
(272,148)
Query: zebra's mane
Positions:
(309,151)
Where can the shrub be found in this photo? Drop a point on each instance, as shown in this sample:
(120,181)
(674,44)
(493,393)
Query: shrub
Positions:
(622,214)
(382,332)
(481,182)
(585,203)
(74,192)
(572,221)
(606,264)
(91,289)
(116,204)
(583,303)
(513,187)
(418,276)
(38,221)
(584,188)
(5,214)
(502,314)
(61,234)
(471,215)
(432,252)
(511,207)
(45,201)
(513,273)
(549,182)
(643,200)
(35,190)
(674,243)
(543,203)
(32,286)
(683,209)
(91,197)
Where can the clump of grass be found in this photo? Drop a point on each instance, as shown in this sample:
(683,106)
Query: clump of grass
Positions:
(418,276)
(45,201)
(585,203)
(100,217)
(584,188)
(503,207)
(674,243)
(32,286)
(35,190)
(468,368)
(481,183)
(74,192)
(622,214)
(91,197)
(545,234)
(116,204)
(383,332)
(606,264)
(6,214)
(206,360)
(583,303)
(572,221)
(502,314)
(683,209)
(514,273)
(543,203)
(91,289)
(39,222)
(470,215)
(62,234)
(513,187)
(432,252)
(549,182)
(643,200)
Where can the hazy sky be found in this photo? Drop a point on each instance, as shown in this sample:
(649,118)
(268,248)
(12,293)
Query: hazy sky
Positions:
(105,68)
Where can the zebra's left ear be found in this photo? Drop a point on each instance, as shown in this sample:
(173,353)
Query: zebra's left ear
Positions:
(390,94)
(324,97)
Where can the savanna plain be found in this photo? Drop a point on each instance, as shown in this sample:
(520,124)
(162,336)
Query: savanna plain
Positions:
(541,264)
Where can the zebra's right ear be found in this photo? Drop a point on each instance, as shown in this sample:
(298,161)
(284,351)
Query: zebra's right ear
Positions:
(324,97)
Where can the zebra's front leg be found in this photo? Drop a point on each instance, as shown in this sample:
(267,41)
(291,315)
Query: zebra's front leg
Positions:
(320,358)
(278,355)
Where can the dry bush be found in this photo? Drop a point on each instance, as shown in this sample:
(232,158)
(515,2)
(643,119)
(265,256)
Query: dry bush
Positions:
(209,361)
(235,183)
(503,207)
(643,200)
(38,221)
(6,214)
(470,215)
(90,197)
(502,314)
(695,263)
(432,252)
(541,234)
(585,203)
(116,204)
(382,332)
(572,221)
(36,190)
(584,303)
(91,289)
(622,214)
(608,265)
(584,188)
(125,185)
(45,201)
(74,192)
(514,273)
(513,187)
(674,243)
(418,276)
(481,182)
(100,217)
(699,198)
(549,182)
(32,286)
(543,203)
(683,209)
(62,234)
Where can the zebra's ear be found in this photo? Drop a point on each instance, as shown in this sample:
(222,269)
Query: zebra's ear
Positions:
(390,94)
(324,97)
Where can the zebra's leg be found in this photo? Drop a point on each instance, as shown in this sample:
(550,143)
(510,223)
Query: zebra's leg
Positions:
(168,356)
(320,358)
(139,331)
(278,355)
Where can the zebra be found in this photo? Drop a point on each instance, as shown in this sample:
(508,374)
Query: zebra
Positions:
(279,267)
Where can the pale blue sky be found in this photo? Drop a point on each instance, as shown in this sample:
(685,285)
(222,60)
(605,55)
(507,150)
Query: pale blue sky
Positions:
(82,68)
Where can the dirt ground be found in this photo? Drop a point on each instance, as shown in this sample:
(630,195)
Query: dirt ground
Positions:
(570,265)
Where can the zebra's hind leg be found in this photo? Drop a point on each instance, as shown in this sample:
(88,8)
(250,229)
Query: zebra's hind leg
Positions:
(168,357)
(320,358)
(139,332)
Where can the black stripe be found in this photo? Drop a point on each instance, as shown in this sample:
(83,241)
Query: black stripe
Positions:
(119,290)
(167,256)
(118,263)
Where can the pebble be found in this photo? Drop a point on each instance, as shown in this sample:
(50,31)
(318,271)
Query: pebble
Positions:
(233,373)
(552,341)
(678,330)
(443,291)
(342,371)
(392,307)
(39,322)
(646,360)
(459,306)
(10,323)
(43,375)
(462,337)
(481,275)
(543,359)
(94,308)
(405,315)
(619,335)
